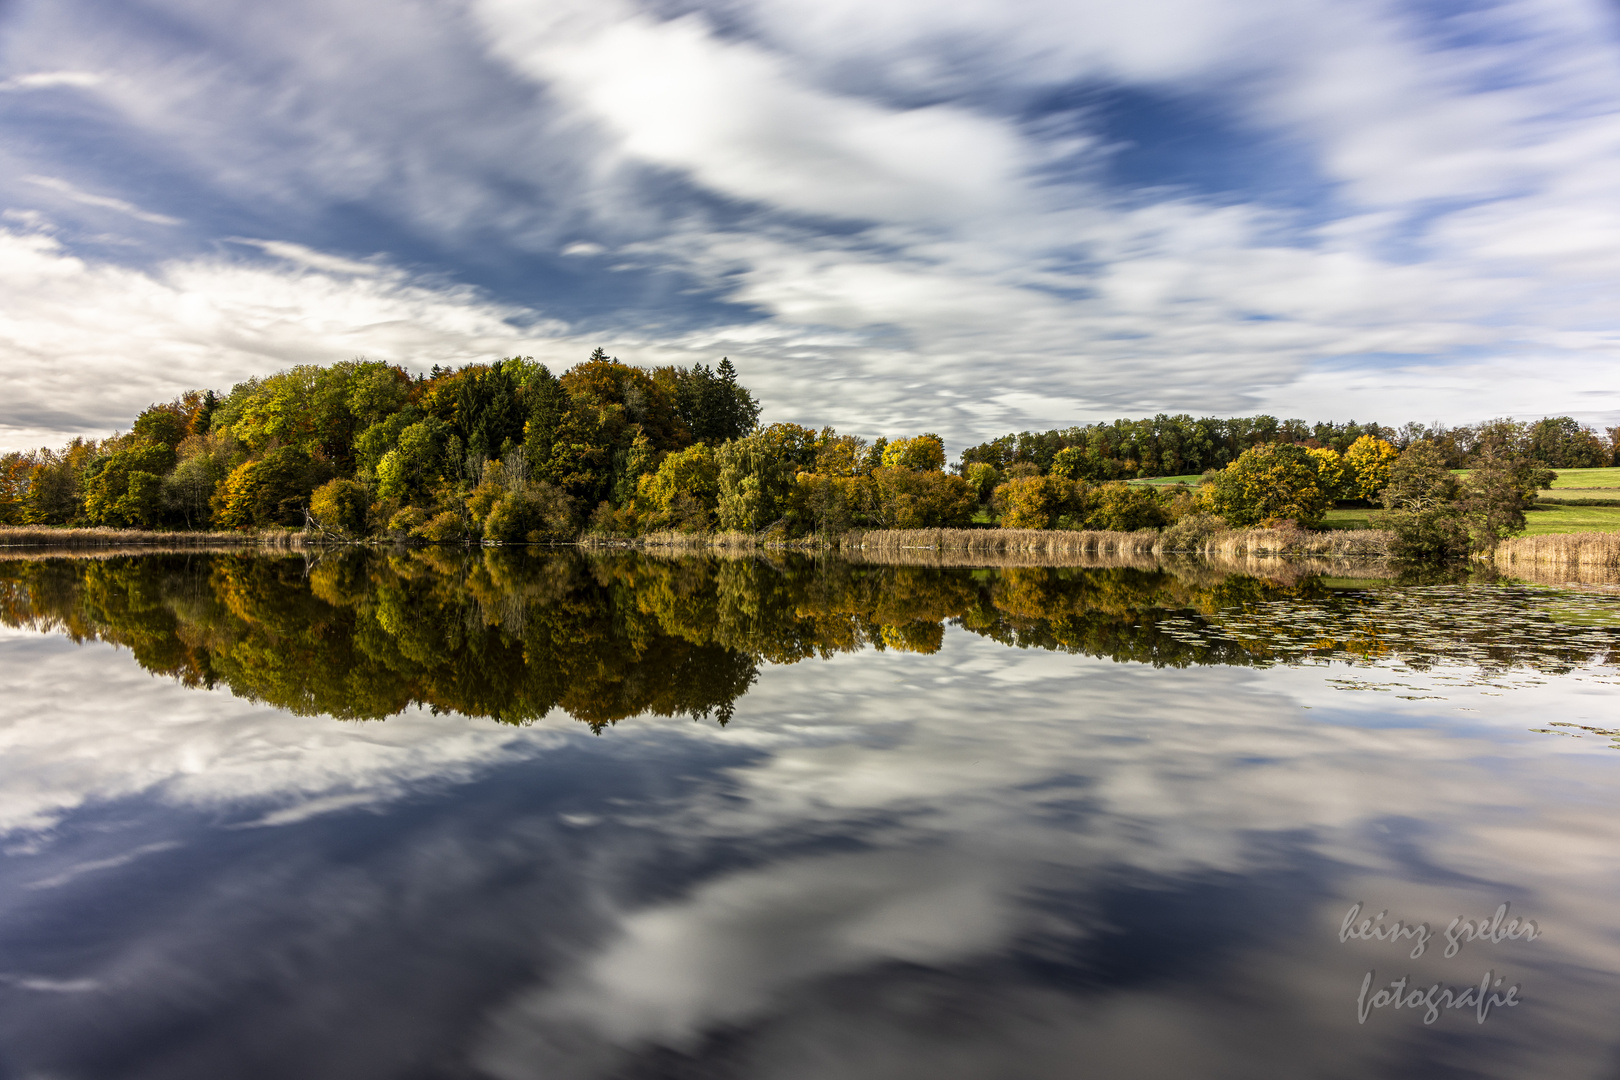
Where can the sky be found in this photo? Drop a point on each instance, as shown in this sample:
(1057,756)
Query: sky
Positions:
(960,216)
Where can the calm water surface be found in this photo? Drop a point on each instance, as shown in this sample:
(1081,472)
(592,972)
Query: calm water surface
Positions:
(505,815)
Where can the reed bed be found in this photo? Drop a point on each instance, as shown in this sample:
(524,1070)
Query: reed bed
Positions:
(1595,551)
(1337,544)
(45,554)
(23,536)
(687,541)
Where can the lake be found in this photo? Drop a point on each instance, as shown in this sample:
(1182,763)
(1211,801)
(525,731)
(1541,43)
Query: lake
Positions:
(507,814)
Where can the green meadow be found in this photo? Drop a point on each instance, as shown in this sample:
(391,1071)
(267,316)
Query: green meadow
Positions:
(1542,521)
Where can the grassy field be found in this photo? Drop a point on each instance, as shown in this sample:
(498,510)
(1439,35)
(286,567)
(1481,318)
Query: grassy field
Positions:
(1587,478)
(1161,481)
(1355,518)
(1554,519)
(1572,519)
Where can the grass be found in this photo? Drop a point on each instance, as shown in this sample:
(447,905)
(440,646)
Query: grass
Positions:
(1545,522)
(1191,480)
(1578,478)
(1587,478)
(1573,519)
(1350,518)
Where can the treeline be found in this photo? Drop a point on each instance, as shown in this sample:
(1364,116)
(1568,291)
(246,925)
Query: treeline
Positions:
(504,452)
(1182,445)
(364,448)
(508,452)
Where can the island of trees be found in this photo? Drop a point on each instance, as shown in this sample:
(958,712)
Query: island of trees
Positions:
(508,452)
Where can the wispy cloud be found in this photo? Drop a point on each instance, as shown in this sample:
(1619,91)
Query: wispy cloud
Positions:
(45,80)
(87,198)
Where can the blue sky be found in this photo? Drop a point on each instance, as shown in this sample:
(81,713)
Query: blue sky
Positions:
(967,216)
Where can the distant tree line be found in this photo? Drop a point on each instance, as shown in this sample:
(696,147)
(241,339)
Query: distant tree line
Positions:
(1182,445)
(509,452)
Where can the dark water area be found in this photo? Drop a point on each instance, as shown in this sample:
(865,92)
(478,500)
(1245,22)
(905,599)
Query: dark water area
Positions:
(500,814)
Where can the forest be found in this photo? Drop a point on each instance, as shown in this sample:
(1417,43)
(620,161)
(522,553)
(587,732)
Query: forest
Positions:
(508,452)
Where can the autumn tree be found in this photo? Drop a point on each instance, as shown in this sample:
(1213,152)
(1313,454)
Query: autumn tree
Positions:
(1275,481)
(1368,462)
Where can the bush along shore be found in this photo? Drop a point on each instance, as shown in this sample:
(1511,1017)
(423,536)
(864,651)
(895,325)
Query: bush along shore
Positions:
(611,454)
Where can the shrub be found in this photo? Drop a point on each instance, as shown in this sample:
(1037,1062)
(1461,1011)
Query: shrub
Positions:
(340,506)
(446,528)
(1124,508)
(908,499)
(1032,502)
(537,513)
(1276,480)
(1192,532)
(407,520)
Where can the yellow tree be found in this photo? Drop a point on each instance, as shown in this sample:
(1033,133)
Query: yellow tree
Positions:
(1367,464)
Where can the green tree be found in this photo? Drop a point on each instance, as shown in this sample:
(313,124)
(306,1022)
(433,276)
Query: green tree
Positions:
(126,488)
(1127,508)
(685,490)
(1273,481)
(1497,491)
(1421,504)
(53,496)
(757,475)
(339,506)
(273,490)
(925,453)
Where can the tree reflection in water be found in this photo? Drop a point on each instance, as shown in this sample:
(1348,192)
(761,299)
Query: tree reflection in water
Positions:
(514,634)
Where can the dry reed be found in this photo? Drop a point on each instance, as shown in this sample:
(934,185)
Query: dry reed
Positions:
(1335,544)
(687,541)
(45,537)
(1596,553)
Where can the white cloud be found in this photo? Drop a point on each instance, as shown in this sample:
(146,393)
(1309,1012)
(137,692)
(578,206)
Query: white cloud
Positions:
(731,115)
(86,345)
(45,80)
(308,257)
(89,199)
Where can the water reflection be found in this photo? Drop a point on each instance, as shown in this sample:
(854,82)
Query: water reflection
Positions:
(925,854)
(513,635)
